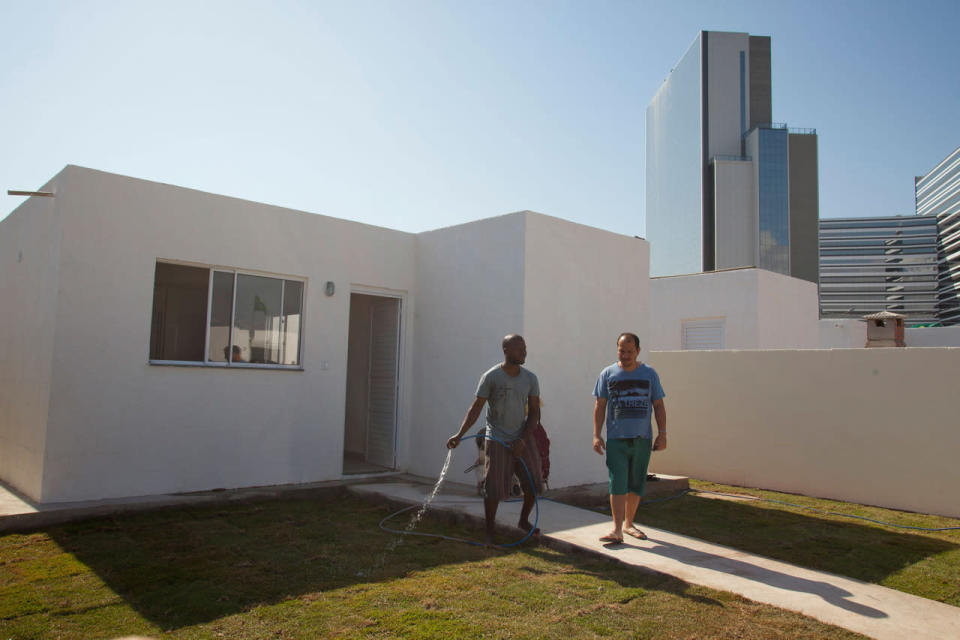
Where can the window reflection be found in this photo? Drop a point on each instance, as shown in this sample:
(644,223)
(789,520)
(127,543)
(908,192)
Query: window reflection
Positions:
(773,184)
(249,319)
(290,333)
(256,324)
(221,310)
(674,213)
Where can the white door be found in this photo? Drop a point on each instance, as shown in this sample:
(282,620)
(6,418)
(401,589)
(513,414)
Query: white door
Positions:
(382,401)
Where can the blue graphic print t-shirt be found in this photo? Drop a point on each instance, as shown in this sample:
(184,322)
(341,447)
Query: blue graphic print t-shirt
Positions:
(630,396)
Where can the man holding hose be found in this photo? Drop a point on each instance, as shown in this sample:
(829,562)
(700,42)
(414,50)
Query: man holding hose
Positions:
(513,397)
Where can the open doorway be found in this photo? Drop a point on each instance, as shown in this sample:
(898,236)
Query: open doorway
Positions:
(373,355)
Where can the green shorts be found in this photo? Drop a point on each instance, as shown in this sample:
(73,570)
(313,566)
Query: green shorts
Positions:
(627,462)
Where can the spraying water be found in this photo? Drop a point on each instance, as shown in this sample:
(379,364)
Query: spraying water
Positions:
(415,520)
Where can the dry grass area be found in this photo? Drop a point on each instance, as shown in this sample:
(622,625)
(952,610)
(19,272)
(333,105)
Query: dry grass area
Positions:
(320,568)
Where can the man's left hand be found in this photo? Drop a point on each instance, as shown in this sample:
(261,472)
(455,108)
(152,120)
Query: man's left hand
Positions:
(660,443)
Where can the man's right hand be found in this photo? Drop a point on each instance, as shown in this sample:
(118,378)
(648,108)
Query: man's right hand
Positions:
(598,445)
(453,442)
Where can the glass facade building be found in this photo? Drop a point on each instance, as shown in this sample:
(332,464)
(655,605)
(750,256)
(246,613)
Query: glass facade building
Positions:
(879,264)
(938,198)
(773,192)
(674,171)
(704,211)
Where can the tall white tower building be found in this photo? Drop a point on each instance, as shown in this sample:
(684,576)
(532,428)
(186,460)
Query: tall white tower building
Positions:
(726,186)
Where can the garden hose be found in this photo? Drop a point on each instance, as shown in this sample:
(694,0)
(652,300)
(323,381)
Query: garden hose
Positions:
(536,504)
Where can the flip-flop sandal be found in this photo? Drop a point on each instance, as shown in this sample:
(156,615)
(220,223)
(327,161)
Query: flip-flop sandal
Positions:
(636,533)
(611,540)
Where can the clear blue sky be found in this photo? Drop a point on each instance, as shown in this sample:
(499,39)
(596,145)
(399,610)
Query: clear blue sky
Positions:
(416,115)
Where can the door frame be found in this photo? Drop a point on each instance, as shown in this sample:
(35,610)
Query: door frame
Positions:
(399,413)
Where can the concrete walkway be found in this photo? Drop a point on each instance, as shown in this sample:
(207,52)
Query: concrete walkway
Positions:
(866,608)
(869,609)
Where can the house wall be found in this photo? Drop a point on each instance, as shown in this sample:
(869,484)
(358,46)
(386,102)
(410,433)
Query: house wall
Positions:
(29,275)
(789,312)
(119,426)
(761,309)
(574,309)
(728,294)
(841,424)
(470,286)
(842,333)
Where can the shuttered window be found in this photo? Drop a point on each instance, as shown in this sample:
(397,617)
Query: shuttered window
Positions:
(702,334)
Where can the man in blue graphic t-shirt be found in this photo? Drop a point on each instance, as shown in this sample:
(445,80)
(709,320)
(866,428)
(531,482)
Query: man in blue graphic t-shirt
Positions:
(626,392)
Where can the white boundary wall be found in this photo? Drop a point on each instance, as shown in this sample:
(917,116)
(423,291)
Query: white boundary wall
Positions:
(872,426)
(933,336)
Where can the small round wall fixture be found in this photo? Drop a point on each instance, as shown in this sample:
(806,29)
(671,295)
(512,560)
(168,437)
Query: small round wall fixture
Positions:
(329,288)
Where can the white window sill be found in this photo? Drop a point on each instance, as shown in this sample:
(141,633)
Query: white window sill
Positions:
(223,365)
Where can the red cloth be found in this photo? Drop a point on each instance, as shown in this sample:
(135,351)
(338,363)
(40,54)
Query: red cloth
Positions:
(543,446)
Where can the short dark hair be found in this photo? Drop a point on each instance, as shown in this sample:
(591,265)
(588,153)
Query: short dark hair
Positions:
(632,336)
(507,339)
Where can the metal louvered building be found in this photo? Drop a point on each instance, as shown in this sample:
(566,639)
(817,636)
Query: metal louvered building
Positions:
(876,264)
(938,197)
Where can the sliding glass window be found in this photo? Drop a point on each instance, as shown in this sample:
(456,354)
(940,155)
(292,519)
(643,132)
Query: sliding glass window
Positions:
(225,317)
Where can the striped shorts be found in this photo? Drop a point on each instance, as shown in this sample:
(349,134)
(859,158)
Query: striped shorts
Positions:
(500,465)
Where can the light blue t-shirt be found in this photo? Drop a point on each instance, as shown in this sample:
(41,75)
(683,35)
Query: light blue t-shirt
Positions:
(630,396)
(507,401)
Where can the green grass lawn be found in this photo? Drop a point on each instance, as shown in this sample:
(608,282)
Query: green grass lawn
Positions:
(320,568)
(923,563)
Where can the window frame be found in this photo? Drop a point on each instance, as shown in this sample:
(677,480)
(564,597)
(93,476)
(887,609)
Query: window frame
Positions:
(206,362)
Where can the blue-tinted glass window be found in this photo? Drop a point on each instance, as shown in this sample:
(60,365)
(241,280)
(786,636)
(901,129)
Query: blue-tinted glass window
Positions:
(774,195)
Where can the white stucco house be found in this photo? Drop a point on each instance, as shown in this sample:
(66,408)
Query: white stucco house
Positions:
(158,339)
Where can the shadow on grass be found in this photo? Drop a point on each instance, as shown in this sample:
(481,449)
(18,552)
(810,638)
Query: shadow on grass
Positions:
(830,593)
(185,566)
(860,551)
(182,567)
(630,577)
